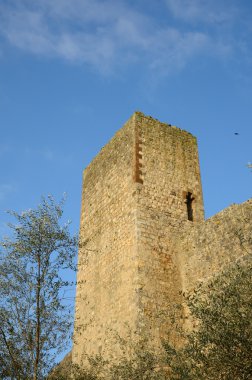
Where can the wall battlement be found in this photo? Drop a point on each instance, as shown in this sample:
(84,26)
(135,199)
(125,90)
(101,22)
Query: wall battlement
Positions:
(143,238)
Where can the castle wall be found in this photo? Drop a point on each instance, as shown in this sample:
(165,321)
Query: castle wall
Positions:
(134,197)
(143,239)
(107,271)
(206,249)
(170,170)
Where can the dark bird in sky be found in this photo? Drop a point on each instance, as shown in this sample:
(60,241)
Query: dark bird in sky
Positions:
(236,133)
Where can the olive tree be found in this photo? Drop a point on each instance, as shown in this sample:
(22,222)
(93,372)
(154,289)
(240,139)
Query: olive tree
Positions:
(35,318)
(220,347)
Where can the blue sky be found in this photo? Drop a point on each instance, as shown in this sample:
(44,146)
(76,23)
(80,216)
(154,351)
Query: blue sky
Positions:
(72,72)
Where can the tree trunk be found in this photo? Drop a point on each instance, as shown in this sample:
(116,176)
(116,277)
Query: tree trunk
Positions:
(37,341)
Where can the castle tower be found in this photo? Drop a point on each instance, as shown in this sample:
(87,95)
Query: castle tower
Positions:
(138,193)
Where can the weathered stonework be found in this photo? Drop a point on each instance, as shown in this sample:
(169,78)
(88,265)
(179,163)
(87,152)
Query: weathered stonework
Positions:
(143,238)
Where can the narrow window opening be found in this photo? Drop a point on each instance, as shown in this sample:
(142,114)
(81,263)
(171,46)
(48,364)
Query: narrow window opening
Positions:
(189,201)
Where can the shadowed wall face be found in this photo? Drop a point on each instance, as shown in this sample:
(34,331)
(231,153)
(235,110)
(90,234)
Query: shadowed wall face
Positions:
(138,193)
(105,298)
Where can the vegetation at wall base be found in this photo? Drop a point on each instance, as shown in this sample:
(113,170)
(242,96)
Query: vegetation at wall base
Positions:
(35,321)
(217,347)
(220,345)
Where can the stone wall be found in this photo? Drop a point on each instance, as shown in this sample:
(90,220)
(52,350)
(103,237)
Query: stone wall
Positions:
(143,239)
(206,249)
(107,270)
(170,170)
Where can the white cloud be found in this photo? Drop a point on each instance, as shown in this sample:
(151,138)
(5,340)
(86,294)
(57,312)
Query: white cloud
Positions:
(27,30)
(110,33)
(177,48)
(214,11)
(95,11)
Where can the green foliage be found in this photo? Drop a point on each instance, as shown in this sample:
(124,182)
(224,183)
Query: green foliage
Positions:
(141,366)
(220,346)
(72,372)
(35,319)
(67,370)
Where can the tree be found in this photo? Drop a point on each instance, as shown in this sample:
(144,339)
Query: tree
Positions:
(143,365)
(35,318)
(220,347)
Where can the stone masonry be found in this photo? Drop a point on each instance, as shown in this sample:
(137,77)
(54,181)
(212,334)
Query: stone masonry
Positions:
(143,238)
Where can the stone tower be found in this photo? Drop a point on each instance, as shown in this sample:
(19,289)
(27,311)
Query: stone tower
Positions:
(142,187)
(143,238)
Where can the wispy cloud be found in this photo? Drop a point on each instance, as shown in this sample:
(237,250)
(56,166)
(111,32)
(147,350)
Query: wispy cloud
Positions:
(214,11)
(107,34)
